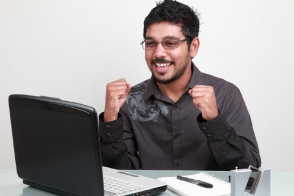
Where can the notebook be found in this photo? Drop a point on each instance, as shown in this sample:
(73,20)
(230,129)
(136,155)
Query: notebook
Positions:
(220,187)
(57,149)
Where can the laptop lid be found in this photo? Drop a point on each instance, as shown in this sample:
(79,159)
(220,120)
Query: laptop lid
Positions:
(56,145)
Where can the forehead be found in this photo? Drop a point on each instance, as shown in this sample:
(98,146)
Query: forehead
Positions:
(159,31)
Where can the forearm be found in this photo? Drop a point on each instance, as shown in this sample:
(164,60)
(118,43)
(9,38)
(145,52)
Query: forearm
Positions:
(229,149)
(113,149)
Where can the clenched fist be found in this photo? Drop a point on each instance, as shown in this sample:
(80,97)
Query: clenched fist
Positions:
(116,93)
(204,99)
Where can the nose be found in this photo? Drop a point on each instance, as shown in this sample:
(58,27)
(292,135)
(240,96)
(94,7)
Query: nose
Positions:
(159,51)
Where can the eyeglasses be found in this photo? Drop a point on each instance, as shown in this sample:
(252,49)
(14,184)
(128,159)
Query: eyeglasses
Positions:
(166,44)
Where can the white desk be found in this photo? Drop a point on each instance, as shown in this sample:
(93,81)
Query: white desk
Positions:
(282,183)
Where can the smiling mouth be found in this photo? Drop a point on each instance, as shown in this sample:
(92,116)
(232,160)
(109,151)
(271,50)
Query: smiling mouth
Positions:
(162,64)
(161,68)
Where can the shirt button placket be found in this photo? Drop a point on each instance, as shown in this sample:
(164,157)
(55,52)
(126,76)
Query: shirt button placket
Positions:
(176,140)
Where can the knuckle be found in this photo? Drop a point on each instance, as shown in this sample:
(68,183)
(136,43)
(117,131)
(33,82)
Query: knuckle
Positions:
(110,88)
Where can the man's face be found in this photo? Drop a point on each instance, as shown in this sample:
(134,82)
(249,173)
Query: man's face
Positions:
(167,65)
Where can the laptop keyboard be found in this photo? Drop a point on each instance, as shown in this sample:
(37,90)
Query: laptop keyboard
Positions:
(119,187)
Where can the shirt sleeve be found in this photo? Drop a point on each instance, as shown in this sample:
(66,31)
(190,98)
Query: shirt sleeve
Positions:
(114,139)
(230,135)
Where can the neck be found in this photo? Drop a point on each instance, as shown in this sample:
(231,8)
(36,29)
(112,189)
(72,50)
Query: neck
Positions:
(175,89)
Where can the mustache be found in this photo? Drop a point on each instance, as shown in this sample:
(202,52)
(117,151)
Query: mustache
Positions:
(162,60)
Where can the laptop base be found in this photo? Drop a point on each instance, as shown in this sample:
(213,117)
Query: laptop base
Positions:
(63,193)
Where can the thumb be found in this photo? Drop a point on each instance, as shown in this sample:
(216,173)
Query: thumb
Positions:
(128,88)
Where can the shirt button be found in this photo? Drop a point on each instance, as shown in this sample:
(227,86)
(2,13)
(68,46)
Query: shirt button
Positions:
(177,165)
(208,135)
(175,107)
(177,135)
(107,126)
(204,128)
(108,134)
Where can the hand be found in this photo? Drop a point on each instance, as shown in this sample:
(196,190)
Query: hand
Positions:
(204,99)
(116,94)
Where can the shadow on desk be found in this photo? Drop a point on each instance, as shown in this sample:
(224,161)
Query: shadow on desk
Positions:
(30,191)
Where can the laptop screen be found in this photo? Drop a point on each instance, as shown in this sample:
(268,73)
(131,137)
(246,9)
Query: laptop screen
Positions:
(56,144)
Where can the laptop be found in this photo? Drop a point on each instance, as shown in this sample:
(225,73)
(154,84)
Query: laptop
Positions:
(57,149)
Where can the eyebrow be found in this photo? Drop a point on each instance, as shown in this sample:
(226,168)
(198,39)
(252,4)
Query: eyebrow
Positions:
(148,38)
(170,37)
(164,38)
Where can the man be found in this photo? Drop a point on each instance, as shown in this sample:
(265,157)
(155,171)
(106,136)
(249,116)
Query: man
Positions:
(180,118)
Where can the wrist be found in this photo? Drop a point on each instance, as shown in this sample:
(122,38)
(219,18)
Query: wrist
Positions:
(211,115)
(109,117)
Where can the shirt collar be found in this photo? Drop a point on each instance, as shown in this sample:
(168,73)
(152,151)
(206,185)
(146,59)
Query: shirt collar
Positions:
(152,90)
(197,77)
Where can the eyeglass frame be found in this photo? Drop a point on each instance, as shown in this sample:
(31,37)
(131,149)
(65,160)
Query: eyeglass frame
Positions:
(163,44)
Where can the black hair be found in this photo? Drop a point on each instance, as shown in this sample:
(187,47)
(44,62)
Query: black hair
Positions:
(176,13)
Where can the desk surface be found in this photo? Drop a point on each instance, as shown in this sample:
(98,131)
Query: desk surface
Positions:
(11,185)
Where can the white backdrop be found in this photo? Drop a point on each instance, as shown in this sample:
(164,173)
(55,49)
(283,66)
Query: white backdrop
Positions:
(71,49)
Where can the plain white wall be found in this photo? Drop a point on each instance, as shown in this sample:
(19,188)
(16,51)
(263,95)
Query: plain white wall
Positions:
(71,49)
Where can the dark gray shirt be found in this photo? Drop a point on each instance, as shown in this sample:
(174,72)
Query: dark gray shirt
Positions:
(153,132)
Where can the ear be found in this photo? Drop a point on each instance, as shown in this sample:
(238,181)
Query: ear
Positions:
(194,47)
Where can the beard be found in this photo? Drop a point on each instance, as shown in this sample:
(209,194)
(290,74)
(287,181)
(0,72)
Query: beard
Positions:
(175,76)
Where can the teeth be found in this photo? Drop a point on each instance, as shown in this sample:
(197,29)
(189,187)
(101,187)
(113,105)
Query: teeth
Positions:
(162,64)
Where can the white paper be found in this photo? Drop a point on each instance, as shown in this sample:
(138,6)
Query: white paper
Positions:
(220,187)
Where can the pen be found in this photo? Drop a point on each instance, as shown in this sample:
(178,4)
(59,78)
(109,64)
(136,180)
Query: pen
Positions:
(197,182)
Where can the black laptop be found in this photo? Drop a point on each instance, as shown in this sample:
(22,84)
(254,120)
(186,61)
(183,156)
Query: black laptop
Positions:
(57,149)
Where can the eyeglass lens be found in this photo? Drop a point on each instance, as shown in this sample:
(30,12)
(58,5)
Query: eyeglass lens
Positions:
(167,44)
